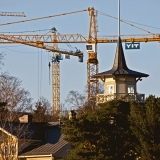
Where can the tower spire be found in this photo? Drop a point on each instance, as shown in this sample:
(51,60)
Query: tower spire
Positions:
(119,61)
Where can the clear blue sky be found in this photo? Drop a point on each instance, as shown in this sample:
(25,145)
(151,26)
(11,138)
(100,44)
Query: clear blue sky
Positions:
(22,61)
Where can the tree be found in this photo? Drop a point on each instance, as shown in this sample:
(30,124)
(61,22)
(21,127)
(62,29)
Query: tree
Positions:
(145,124)
(76,100)
(16,101)
(42,113)
(13,94)
(99,135)
(1,58)
(13,134)
(79,102)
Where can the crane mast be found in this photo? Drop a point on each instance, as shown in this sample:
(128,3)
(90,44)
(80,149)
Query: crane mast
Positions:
(55,64)
(55,79)
(92,62)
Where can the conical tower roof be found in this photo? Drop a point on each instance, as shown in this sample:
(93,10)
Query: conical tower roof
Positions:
(119,66)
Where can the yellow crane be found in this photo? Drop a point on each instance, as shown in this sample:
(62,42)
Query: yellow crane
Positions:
(54,49)
(55,62)
(92,40)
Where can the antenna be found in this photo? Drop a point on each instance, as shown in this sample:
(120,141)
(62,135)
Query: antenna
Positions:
(118,18)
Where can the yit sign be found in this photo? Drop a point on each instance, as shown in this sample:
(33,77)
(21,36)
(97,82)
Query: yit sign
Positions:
(132,45)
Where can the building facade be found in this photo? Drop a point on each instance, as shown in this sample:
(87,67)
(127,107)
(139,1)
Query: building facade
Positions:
(120,81)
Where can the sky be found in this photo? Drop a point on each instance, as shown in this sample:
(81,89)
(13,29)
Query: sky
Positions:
(30,64)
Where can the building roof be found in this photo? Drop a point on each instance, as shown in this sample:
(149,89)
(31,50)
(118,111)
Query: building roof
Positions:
(119,66)
(53,143)
(32,131)
(41,138)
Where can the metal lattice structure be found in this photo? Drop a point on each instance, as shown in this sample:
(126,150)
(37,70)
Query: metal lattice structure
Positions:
(55,65)
(56,86)
(92,62)
(40,41)
(55,79)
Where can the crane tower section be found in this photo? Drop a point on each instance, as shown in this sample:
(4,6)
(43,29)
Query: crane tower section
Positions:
(92,62)
(56,86)
(55,76)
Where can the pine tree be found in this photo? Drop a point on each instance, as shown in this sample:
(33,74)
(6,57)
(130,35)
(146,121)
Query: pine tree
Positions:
(102,134)
(42,113)
(145,124)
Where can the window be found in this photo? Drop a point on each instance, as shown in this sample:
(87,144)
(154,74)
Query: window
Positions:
(13,149)
(89,47)
(130,88)
(5,150)
(110,89)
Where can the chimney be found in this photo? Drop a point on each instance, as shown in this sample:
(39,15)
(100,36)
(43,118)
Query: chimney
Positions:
(72,114)
(25,118)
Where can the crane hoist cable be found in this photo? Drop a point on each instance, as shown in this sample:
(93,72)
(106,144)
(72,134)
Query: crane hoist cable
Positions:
(49,65)
(105,14)
(141,24)
(41,75)
(33,19)
(40,30)
(38,72)
(68,44)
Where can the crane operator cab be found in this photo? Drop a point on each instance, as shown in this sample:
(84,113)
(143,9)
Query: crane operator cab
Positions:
(57,57)
(91,48)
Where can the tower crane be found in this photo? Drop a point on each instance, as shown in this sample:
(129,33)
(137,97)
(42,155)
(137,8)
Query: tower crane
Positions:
(55,63)
(92,40)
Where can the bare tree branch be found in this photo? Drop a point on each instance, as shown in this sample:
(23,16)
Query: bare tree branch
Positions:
(1,58)
(43,111)
(77,101)
(16,97)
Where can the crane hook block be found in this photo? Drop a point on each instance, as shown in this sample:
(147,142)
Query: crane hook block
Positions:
(49,65)
(80,58)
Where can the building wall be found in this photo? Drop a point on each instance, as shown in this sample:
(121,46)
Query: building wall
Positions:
(63,152)
(132,81)
(121,88)
(39,158)
(120,84)
(109,81)
(8,145)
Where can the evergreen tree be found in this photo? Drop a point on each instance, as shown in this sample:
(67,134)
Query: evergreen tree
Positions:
(42,113)
(39,113)
(102,134)
(145,124)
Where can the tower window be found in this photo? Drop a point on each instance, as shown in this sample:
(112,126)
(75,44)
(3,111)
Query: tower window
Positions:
(130,88)
(110,89)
